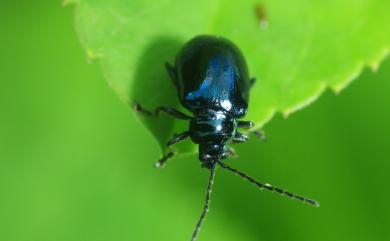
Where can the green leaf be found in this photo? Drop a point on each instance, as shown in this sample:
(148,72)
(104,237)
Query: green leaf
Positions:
(295,49)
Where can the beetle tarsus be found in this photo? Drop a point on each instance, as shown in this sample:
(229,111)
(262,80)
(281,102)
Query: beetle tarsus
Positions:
(260,135)
(161,163)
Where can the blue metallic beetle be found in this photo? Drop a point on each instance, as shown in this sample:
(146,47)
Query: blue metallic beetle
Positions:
(212,81)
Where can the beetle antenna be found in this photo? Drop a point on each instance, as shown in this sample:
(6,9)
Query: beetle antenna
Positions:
(269,187)
(207,203)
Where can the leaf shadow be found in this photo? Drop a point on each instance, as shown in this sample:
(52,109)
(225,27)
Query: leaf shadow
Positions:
(153,87)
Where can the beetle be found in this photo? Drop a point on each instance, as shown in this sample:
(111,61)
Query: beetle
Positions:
(212,82)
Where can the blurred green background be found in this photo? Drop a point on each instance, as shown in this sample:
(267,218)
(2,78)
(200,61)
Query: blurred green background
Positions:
(76,165)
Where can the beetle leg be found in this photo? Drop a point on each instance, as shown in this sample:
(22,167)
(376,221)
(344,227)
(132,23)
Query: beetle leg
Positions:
(172,72)
(164,159)
(239,138)
(260,135)
(249,124)
(178,138)
(171,111)
(174,140)
(245,124)
(252,82)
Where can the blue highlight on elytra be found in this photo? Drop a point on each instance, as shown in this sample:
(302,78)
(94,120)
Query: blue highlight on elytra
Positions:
(211,86)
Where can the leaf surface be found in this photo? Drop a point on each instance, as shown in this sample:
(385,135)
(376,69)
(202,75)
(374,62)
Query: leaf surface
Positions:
(295,49)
